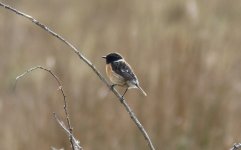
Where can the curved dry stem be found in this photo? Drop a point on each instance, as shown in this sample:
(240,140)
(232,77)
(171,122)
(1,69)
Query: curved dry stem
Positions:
(81,56)
(74,143)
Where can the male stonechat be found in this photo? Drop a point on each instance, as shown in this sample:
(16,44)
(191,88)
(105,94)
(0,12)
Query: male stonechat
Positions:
(120,72)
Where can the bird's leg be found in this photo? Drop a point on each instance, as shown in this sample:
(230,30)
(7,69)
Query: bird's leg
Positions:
(112,86)
(124,93)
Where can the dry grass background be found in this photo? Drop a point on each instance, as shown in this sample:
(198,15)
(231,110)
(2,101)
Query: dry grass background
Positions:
(185,52)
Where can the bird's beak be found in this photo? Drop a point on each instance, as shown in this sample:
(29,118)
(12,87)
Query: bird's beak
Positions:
(104,57)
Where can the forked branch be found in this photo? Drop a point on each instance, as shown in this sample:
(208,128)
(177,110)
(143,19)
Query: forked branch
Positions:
(75,142)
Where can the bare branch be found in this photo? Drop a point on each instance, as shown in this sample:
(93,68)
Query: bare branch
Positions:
(70,129)
(81,56)
(236,146)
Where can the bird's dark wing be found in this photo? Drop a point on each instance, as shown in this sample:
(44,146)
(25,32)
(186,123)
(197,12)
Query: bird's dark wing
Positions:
(124,70)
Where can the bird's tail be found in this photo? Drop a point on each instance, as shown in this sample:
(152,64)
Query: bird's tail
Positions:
(139,87)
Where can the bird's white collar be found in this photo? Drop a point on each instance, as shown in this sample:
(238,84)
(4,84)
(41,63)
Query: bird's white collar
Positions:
(122,60)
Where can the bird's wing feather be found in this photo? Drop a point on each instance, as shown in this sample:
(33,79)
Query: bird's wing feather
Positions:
(123,69)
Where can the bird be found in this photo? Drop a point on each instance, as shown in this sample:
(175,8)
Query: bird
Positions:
(120,73)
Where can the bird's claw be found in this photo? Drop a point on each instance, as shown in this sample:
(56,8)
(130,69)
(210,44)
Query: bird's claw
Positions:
(112,86)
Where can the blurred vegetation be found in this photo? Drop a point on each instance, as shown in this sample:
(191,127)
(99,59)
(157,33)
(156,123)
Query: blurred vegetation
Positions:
(186,54)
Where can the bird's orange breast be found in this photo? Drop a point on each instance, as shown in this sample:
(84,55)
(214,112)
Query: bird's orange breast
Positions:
(114,77)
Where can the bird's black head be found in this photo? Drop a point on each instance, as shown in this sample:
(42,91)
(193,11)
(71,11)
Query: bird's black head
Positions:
(112,57)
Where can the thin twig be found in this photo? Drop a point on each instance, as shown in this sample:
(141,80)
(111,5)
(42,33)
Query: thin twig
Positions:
(236,146)
(75,142)
(81,56)
(70,129)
